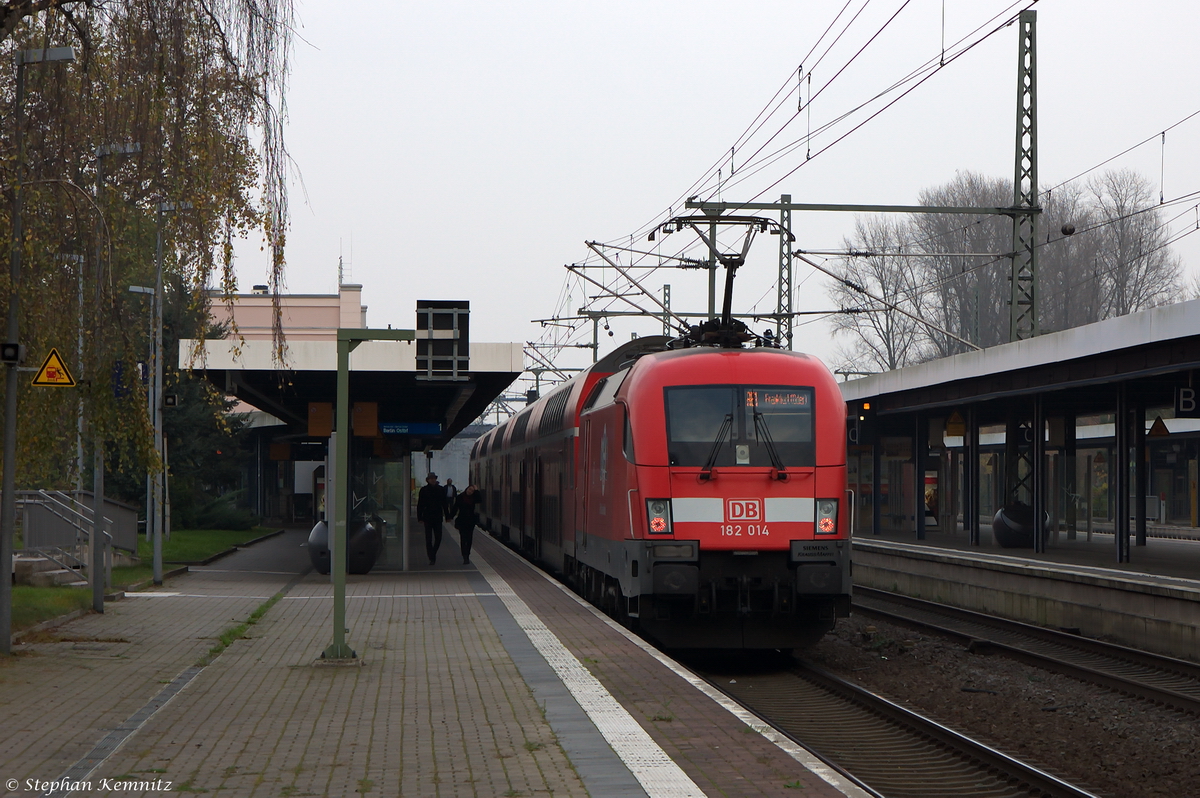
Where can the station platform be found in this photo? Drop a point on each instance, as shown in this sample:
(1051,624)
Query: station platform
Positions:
(1169,551)
(1151,602)
(487,679)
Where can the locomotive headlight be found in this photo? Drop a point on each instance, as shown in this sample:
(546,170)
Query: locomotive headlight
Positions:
(827,516)
(658,516)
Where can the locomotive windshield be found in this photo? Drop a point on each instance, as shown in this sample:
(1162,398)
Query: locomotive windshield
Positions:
(719,422)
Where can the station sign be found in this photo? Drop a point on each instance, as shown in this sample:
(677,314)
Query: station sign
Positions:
(1185,403)
(410,429)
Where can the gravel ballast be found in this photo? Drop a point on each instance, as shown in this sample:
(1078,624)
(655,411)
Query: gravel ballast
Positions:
(1111,744)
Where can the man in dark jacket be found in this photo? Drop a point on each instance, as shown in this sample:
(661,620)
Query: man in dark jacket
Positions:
(431,510)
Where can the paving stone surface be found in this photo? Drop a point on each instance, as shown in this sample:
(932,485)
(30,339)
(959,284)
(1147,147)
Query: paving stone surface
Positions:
(719,752)
(436,707)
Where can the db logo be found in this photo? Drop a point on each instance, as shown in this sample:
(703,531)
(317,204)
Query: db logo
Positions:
(743,509)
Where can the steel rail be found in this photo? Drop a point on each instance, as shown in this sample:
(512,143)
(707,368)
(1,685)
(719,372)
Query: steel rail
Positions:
(895,751)
(1163,680)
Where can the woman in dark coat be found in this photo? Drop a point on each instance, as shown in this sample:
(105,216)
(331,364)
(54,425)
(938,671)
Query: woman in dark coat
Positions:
(466,518)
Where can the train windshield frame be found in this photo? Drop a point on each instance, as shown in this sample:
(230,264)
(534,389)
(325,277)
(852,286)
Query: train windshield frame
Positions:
(743,417)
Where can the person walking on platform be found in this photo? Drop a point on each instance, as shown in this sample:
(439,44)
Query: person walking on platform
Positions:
(451,496)
(465,520)
(431,511)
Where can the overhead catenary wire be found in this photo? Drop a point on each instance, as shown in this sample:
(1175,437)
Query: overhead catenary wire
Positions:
(863,290)
(915,291)
(1098,225)
(603,287)
(705,181)
(933,64)
(745,167)
(929,66)
(774,157)
(929,72)
(1126,151)
(941,63)
(767,110)
(595,247)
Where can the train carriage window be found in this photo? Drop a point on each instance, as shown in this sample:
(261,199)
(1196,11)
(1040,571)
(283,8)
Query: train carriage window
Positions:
(696,419)
(591,400)
(605,390)
(731,424)
(785,416)
(627,447)
(519,426)
(553,415)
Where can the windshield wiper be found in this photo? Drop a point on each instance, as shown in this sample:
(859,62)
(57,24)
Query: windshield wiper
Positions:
(760,427)
(726,426)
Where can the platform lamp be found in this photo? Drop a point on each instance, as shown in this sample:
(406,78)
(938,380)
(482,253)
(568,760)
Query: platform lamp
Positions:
(151,401)
(13,352)
(157,378)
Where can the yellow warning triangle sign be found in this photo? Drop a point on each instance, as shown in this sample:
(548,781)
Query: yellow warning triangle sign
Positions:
(54,373)
(1158,428)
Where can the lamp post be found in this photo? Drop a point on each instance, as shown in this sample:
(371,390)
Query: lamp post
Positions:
(98,541)
(13,351)
(159,487)
(151,403)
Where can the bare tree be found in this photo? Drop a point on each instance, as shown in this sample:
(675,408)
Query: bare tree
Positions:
(881,337)
(1102,252)
(961,269)
(1192,290)
(1134,267)
(1068,293)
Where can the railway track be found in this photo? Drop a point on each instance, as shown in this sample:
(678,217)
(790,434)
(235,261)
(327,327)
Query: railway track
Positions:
(1163,680)
(893,751)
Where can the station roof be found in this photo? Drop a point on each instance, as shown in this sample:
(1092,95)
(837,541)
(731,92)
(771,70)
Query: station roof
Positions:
(1148,351)
(384,372)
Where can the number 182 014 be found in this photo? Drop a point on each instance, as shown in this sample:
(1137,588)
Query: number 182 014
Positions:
(747,530)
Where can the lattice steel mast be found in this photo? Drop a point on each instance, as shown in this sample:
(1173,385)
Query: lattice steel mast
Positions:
(1023,305)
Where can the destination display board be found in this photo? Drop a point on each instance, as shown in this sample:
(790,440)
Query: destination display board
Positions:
(781,398)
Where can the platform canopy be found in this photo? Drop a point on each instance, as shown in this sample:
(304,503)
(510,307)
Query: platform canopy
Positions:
(1153,353)
(424,408)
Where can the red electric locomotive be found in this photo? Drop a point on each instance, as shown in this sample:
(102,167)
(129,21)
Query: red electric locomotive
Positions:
(698,493)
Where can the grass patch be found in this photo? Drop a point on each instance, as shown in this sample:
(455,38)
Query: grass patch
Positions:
(190,545)
(185,545)
(239,631)
(32,605)
(664,715)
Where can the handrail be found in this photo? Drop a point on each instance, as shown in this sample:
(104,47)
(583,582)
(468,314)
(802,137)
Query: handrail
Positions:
(57,502)
(84,526)
(53,553)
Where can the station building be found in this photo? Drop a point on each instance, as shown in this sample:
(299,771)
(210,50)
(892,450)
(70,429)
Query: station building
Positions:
(415,396)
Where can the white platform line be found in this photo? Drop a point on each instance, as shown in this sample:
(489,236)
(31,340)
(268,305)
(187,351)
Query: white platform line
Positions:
(658,774)
(306,598)
(169,594)
(393,596)
(797,752)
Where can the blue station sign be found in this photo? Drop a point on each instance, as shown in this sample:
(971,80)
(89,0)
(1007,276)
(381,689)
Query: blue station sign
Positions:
(410,429)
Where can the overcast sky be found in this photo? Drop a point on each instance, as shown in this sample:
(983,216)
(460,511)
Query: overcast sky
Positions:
(466,150)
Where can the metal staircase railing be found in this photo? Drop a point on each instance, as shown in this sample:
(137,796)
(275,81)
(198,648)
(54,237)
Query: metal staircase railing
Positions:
(82,519)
